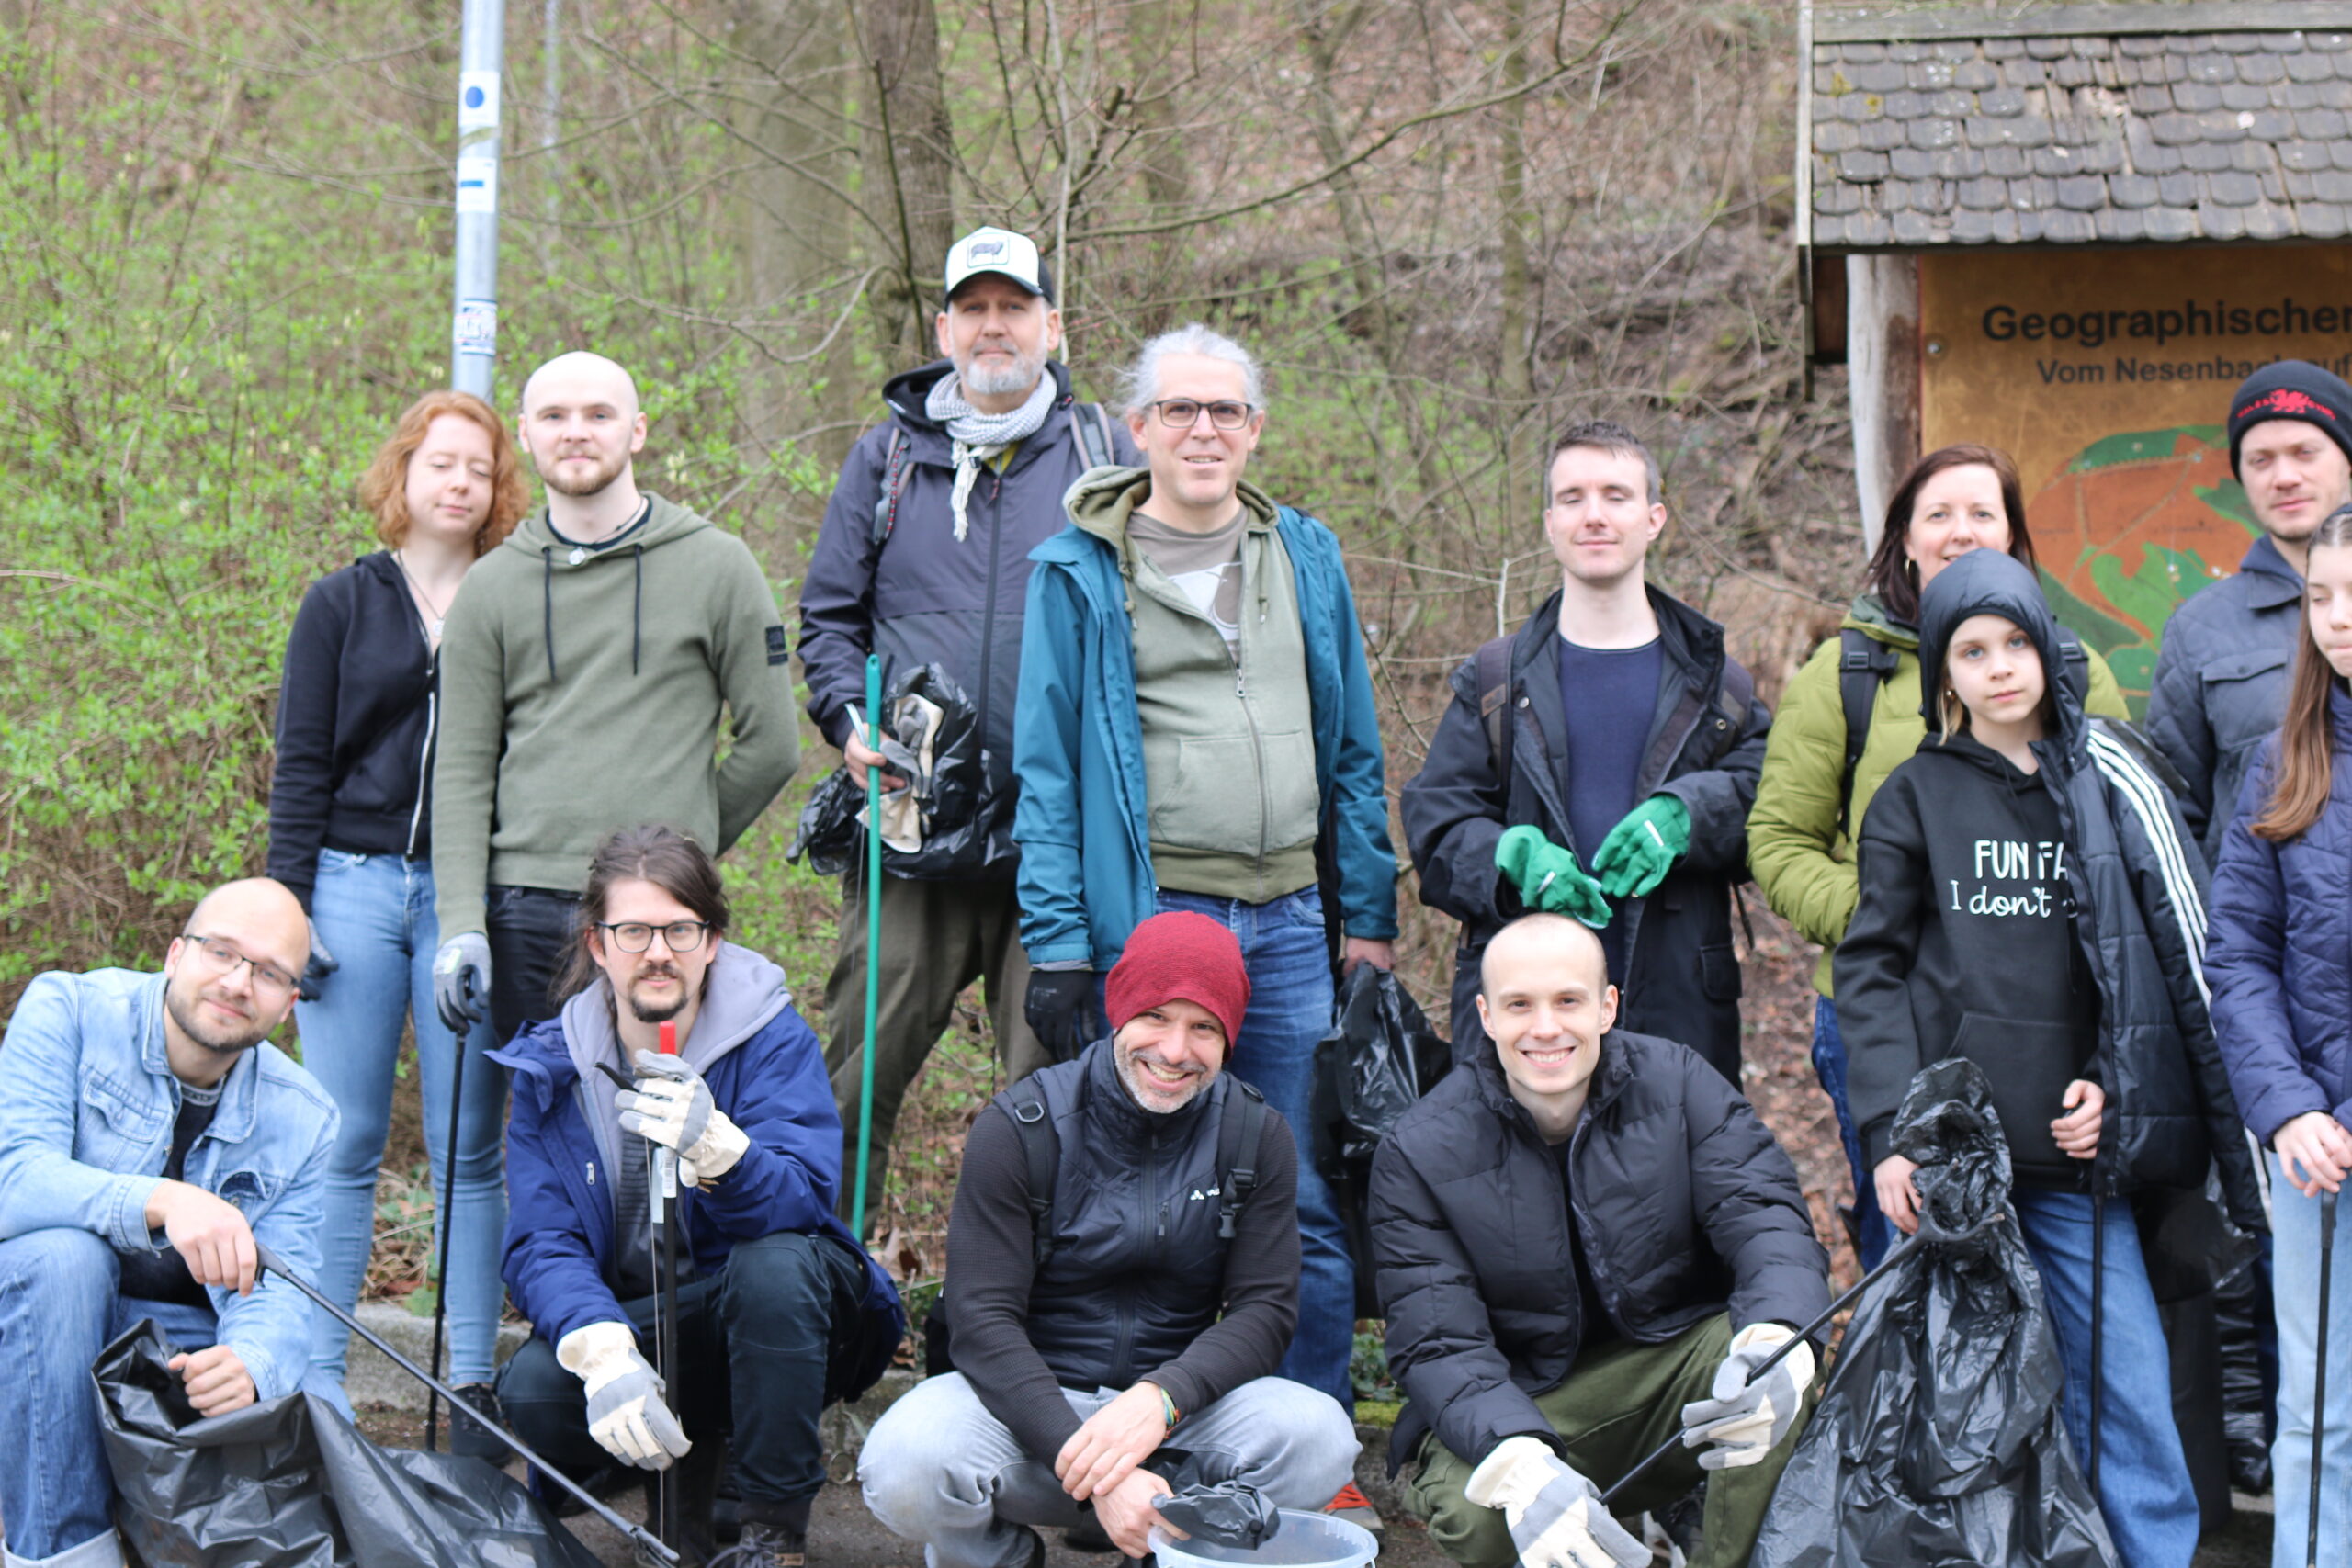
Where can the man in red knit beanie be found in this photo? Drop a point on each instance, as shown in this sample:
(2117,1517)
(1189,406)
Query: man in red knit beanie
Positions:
(1181,956)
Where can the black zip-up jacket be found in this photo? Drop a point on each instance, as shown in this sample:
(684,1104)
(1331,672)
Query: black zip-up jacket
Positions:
(355,725)
(1139,1284)
(924,597)
(1928,984)
(1682,978)
(1684,1205)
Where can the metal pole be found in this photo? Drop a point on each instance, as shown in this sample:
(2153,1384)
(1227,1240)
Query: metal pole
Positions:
(873,934)
(552,104)
(474,316)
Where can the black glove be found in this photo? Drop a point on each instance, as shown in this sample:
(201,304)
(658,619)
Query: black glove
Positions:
(315,972)
(1061,1012)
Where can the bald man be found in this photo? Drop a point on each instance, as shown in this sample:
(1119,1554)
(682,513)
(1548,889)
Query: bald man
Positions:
(148,1136)
(587,668)
(1588,1242)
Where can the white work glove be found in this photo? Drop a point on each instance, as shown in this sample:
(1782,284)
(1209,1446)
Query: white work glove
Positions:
(625,1409)
(461,982)
(1556,1516)
(672,1106)
(1749,1415)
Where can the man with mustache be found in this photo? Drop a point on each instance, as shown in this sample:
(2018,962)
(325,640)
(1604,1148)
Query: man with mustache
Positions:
(150,1136)
(779,1311)
(583,673)
(1123,1268)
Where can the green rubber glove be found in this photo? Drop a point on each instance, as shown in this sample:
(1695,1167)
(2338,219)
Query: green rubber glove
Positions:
(1548,877)
(1642,849)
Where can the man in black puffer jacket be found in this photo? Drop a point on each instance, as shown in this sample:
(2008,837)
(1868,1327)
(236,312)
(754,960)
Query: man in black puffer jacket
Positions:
(1145,1301)
(1581,1237)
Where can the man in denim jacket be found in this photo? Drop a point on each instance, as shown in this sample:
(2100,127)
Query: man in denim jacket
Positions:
(148,1136)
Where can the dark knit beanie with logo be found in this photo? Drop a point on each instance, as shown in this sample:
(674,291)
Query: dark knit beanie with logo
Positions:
(1181,956)
(2292,388)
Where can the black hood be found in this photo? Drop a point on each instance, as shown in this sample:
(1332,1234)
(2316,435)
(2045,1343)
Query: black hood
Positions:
(1988,583)
(909,394)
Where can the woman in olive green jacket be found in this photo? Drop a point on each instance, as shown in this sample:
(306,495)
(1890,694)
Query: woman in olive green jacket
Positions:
(1802,829)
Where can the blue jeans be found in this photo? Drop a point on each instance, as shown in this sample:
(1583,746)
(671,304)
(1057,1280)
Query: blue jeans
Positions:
(2294,1280)
(1290,1008)
(58,1309)
(1877,1233)
(375,914)
(2143,1486)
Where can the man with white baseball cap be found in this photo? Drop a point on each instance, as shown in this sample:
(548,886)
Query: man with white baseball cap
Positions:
(923,557)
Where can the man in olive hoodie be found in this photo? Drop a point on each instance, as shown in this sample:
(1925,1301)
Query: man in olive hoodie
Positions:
(583,670)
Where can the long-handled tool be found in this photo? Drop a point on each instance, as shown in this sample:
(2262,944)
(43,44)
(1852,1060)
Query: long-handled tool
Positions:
(1910,1244)
(446,1215)
(873,934)
(661,1188)
(270,1264)
(2099,1318)
(2319,1375)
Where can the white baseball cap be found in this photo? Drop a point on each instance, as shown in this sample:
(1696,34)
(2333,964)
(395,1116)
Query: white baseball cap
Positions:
(1002,252)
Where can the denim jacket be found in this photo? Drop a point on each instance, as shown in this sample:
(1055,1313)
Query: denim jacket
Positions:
(87,1100)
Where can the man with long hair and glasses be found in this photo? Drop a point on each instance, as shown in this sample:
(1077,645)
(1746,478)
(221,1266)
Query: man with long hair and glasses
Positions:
(150,1136)
(779,1311)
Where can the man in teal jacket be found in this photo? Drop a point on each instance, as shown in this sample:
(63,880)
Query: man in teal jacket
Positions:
(1195,731)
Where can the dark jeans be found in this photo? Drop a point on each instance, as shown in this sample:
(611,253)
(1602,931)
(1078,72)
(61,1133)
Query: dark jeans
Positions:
(766,1344)
(531,930)
(1876,1232)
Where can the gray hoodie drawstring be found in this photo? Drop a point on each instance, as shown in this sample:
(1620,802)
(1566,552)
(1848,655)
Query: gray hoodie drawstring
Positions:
(637,610)
(547,582)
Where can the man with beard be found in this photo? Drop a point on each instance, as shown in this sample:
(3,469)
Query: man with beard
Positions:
(583,673)
(924,559)
(779,1311)
(149,1137)
(1123,1277)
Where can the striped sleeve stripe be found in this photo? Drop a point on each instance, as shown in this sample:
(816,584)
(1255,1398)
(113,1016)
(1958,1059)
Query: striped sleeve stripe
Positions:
(2140,788)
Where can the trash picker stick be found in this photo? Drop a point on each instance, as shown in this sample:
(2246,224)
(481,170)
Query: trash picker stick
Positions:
(666,1284)
(442,1216)
(2098,1319)
(873,934)
(2319,1375)
(270,1264)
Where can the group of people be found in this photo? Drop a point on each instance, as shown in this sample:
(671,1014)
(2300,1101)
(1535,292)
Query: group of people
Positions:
(511,746)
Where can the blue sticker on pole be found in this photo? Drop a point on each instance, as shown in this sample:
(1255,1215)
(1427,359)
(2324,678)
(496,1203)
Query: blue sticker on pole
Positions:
(477,327)
(477,100)
(477,184)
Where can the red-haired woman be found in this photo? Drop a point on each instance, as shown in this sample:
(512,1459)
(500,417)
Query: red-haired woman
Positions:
(350,823)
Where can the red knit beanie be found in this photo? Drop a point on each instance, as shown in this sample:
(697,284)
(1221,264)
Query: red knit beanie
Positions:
(1181,956)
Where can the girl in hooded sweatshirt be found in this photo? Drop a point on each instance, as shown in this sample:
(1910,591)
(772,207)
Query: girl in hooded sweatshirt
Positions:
(2030,900)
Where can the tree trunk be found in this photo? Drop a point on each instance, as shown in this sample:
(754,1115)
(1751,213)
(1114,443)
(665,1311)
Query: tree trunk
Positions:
(909,164)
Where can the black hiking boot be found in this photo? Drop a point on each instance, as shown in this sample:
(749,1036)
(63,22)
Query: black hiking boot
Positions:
(469,1437)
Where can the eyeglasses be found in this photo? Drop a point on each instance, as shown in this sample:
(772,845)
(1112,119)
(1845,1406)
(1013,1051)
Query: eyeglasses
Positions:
(223,958)
(1183,413)
(634,936)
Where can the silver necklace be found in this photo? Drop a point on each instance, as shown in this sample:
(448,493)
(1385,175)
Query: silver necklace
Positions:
(435,616)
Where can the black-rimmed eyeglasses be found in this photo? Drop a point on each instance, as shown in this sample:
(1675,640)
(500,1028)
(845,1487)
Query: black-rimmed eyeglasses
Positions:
(634,936)
(222,959)
(1183,413)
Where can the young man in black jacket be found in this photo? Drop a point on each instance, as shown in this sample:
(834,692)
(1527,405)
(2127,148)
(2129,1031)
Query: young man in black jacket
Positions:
(924,557)
(1144,1302)
(1615,724)
(1586,1241)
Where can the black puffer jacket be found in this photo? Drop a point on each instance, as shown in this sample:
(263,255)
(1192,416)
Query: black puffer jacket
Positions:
(923,596)
(1682,978)
(1684,1206)
(2138,887)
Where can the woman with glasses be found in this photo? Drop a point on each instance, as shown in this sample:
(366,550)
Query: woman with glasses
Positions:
(350,823)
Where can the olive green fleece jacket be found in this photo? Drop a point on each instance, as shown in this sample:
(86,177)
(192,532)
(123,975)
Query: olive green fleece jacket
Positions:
(1800,860)
(581,693)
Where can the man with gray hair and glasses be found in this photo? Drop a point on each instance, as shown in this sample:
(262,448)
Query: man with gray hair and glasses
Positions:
(1195,731)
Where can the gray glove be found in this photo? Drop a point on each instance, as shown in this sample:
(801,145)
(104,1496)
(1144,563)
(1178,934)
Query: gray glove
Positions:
(1750,1415)
(625,1414)
(672,1106)
(461,982)
(315,972)
(1556,1514)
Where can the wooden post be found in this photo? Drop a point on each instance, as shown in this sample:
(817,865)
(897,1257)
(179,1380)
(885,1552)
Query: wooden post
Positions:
(1883,361)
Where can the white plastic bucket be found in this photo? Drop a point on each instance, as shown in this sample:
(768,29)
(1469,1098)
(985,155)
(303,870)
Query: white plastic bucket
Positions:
(1303,1540)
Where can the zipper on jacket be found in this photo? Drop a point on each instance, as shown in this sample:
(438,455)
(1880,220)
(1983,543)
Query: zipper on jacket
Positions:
(1258,760)
(424,760)
(988,615)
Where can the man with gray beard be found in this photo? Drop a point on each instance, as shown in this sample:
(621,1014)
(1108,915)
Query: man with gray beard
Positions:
(924,557)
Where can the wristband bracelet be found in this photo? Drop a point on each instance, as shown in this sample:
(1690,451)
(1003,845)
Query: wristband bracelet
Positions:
(1167,1410)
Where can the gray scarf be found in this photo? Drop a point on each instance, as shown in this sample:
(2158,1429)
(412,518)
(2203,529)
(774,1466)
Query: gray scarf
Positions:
(982,438)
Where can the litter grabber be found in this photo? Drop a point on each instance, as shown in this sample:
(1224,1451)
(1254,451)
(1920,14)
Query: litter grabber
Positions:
(270,1264)
(2098,1320)
(443,1217)
(662,1193)
(2319,1374)
(873,940)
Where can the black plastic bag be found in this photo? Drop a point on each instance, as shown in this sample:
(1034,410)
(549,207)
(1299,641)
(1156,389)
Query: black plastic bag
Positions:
(1939,1437)
(2242,1311)
(930,735)
(291,1484)
(1204,1502)
(1380,1057)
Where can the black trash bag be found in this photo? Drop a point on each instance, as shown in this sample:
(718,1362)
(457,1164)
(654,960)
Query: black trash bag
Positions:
(291,1484)
(1380,1057)
(2190,1245)
(2243,1320)
(1939,1437)
(930,737)
(1209,1505)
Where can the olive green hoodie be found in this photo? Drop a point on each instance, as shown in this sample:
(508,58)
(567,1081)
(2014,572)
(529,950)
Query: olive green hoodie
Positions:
(1228,746)
(580,691)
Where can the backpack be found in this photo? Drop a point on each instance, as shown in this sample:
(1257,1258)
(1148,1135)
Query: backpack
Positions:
(1737,691)
(1863,665)
(1091,432)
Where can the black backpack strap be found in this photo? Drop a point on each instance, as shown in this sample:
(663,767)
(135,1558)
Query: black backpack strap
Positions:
(1239,1130)
(1863,664)
(1042,1145)
(2075,665)
(1492,672)
(893,486)
(1090,427)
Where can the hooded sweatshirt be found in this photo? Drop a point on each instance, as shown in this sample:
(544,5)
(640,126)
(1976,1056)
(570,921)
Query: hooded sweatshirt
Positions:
(1228,732)
(580,692)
